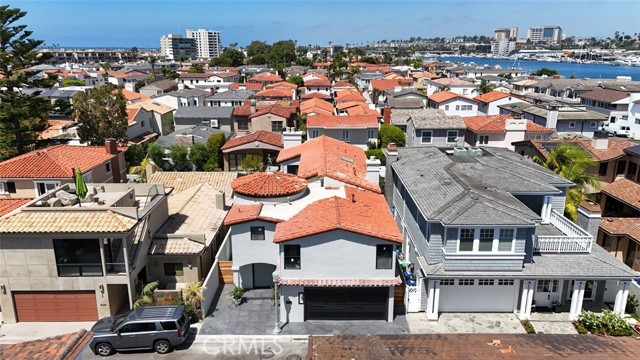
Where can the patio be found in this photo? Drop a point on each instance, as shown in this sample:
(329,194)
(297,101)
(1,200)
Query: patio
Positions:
(549,322)
(255,316)
(466,323)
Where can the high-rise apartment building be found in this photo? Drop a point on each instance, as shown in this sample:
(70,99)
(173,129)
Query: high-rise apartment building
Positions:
(505,34)
(174,45)
(207,42)
(548,34)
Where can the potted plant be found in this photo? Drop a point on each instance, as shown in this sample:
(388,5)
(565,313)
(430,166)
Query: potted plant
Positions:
(236,294)
(556,306)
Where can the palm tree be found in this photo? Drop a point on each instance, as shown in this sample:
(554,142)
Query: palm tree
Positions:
(572,163)
(153,60)
(484,87)
(192,293)
(146,295)
(182,58)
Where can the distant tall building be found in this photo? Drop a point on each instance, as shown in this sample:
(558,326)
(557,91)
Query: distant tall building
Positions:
(513,33)
(503,47)
(548,34)
(505,34)
(174,45)
(207,42)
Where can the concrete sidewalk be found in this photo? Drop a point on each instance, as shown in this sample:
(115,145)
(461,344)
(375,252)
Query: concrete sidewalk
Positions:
(26,331)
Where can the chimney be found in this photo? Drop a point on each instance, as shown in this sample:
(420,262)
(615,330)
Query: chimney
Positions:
(386,114)
(589,216)
(600,140)
(111,146)
(373,170)
(220,200)
(391,153)
(291,138)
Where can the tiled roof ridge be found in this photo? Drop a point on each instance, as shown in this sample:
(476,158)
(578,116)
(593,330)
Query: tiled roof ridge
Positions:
(335,199)
(117,219)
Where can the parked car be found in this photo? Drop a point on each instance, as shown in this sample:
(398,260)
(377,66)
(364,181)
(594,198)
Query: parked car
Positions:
(155,327)
(616,129)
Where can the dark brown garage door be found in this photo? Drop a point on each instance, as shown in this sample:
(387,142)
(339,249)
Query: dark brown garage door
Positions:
(56,306)
(346,303)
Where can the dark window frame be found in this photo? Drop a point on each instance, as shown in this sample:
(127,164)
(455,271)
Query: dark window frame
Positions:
(173,269)
(292,257)
(257,232)
(384,257)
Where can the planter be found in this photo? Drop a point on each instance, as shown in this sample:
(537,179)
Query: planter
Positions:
(237,302)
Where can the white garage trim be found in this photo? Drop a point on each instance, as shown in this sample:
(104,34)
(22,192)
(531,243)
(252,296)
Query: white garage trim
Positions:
(478,295)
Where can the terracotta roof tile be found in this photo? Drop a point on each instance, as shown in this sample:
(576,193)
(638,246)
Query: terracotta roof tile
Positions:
(621,227)
(279,93)
(8,205)
(265,77)
(281,111)
(240,213)
(54,162)
(317,83)
(615,147)
(340,282)
(315,95)
(349,95)
(343,84)
(315,74)
(317,106)
(131,114)
(497,124)
(325,156)
(362,212)
(363,110)
(55,128)
(269,184)
(61,347)
(175,246)
(443,96)
(624,190)
(492,96)
(242,110)
(66,221)
(452,82)
(248,86)
(384,84)
(362,121)
(180,181)
(283,85)
(266,137)
(131,96)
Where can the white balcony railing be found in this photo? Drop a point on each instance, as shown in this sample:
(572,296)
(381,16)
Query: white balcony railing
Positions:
(574,240)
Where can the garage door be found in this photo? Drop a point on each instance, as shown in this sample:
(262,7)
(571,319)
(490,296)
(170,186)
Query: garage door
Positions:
(493,296)
(346,303)
(56,306)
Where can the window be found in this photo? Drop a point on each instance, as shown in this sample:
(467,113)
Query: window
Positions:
(466,282)
(384,256)
(313,134)
(257,233)
(173,269)
(243,124)
(594,125)
(485,282)
(505,240)
(446,107)
(45,187)
(547,286)
(572,124)
(107,167)
(631,170)
(505,282)
(452,136)
(276,126)
(486,240)
(447,282)
(7,187)
(138,327)
(345,134)
(371,134)
(77,257)
(484,139)
(169,325)
(613,120)
(426,137)
(292,256)
(620,167)
(457,107)
(466,240)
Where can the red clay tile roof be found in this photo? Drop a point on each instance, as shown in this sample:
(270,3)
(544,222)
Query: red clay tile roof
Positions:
(55,128)
(240,213)
(362,212)
(621,227)
(325,156)
(8,205)
(248,86)
(131,114)
(443,96)
(316,105)
(340,282)
(282,84)
(281,111)
(452,82)
(268,77)
(352,122)
(624,190)
(242,110)
(315,95)
(496,124)
(130,95)
(614,150)
(491,96)
(266,137)
(343,84)
(363,110)
(349,95)
(317,83)
(384,84)
(269,184)
(61,347)
(312,74)
(277,93)
(54,162)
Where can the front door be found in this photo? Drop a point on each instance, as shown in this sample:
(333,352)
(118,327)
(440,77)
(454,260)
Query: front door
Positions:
(546,293)
(263,275)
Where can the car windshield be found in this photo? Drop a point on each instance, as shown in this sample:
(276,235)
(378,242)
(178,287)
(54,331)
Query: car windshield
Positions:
(118,322)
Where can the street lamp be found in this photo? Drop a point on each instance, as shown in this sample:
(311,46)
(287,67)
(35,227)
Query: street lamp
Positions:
(276,329)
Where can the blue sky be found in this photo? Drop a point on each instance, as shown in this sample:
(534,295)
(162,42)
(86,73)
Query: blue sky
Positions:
(126,23)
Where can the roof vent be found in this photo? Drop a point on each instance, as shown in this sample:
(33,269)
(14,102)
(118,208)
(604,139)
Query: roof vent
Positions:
(347,159)
(474,152)
(459,151)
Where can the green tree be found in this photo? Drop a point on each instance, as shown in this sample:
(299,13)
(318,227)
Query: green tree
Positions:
(572,163)
(544,72)
(417,63)
(252,162)
(152,60)
(259,59)
(196,68)
(62,107)
(484,87)
(369,60)
(179,155)
(199,155)
(229,57)
(134,156)
(72,81)
(257,48)
(282,52)
(391,134)
(146,295)
(156,153)
(304,61)
(22,116)
(358,53)
(296,80)
(134,52)
(101,115)
(182,58)
(214,143)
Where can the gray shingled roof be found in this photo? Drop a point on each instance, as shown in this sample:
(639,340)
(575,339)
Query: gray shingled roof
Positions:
(567,114)
(208,112)
(200,135)
(236,95)
(427,119)
(405,103)
(161,84)
(189,93)
(473,191)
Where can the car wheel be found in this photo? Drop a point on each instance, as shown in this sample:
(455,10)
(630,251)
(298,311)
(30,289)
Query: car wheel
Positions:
(162,346)
(104,349)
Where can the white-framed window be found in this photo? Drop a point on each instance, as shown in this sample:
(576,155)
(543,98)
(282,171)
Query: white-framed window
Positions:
(313,133)
(484,139)
(485,282)
(426,137)
(452,136)
(44,187)
(485,240)
(447,282)
(466,282)
(505,282)
(572,124)
(465,91)
(466,240)
(446,107)
(345,134)
(505,239)
(7,187)
(371,134)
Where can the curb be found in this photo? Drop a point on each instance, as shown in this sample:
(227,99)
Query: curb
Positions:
(265,338)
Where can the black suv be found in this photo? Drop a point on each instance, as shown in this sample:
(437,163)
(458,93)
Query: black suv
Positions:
(154,327)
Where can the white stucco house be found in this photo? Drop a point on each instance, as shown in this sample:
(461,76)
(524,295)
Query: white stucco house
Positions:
(453,104)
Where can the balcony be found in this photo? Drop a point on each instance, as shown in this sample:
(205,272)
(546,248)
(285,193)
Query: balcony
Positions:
(561,236)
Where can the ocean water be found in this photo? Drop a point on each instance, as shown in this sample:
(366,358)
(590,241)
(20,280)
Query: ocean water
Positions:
(593,71)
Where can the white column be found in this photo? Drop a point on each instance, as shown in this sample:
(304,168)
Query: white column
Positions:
(621,297)
(236,275)
(546,209)
(576,299)
(526,300)
(433,300)
(390,304)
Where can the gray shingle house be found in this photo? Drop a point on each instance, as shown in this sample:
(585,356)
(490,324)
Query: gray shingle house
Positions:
(484,231)
(429,127)
(215,117)
(230,98)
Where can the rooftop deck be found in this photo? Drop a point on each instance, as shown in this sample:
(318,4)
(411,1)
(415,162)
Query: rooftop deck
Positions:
(562,236)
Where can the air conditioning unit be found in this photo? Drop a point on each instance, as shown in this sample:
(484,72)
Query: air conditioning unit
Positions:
(459,151)
(214,123)
(474,152)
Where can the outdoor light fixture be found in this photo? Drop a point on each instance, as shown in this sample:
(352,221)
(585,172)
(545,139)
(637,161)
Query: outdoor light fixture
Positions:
(101,287)
(3,288)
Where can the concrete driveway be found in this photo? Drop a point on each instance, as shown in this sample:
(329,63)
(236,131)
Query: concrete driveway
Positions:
(466,323)
(26,331)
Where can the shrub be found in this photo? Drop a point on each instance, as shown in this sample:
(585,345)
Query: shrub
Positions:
(199,155)
(632,304)
(591,321)
(580,328)
(608,323)
(237,292)
(528,327)
(156,153)
(372,145)
(391,134)
(378,153)
(179,155)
